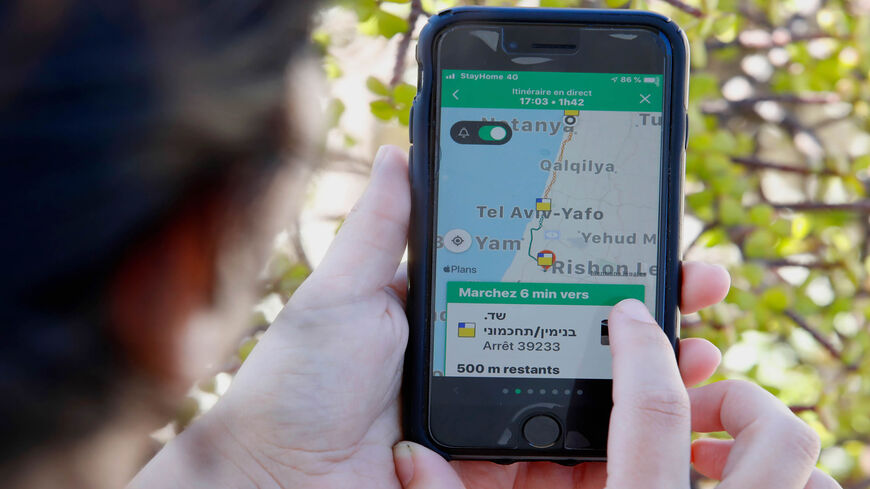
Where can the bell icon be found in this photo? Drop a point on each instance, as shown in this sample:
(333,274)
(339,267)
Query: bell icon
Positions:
(463,133)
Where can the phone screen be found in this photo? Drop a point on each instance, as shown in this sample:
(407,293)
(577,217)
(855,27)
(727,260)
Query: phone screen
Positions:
(547,215)
(548,188)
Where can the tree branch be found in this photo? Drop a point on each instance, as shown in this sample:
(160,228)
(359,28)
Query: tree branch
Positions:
(792,263)
(865,227)
(819,337)
(296,240)
(706,228)
(694,12)
(863,484)
(752,162)
(720,106)
(860,206)
(771,41)
(405,43)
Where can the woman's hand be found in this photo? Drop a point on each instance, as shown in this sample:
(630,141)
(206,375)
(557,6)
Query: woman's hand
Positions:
(316,403)
(649,443)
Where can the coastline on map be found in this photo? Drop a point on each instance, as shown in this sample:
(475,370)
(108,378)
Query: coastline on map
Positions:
(494,175)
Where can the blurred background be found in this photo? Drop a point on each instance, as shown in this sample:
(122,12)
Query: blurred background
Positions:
(777,185)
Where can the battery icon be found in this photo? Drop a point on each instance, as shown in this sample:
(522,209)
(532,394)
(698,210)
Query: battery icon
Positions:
(651,79)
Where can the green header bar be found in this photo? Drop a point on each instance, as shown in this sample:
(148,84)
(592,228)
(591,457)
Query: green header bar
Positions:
(551,90)
(547,293)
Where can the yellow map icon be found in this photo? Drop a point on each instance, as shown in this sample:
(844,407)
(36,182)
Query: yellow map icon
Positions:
(466,330)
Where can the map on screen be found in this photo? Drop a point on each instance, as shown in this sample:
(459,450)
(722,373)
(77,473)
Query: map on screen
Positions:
(547,215)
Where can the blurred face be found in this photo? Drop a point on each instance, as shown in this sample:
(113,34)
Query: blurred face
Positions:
(213,327)
(162,299)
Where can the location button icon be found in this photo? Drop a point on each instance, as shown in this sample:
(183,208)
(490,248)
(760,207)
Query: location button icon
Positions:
(481,132)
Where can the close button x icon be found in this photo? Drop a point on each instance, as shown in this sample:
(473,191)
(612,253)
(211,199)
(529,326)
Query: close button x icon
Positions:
(644,99)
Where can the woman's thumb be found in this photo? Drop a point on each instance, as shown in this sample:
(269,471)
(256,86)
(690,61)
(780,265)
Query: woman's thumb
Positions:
(420,468)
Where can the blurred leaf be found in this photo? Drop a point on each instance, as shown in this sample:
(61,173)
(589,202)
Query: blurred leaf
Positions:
(377,87)
(364,8)
(331,68)
(702,86)
(388,25)
(760,244)
(293,278)
(725,27)
(698,53)
(322,40)
(382,109)
(731,212)
(800,226)
(753,273)
(404,115)
(208,385)
(188,410)
(714,237)
(776,298)
(246,348)
(781,227)
(761,215)
(334,111)
(723,141)
(701,203)
(404,93)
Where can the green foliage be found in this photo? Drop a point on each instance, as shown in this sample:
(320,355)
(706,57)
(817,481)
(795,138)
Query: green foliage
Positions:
(246,348)
(393,102)
(374,20)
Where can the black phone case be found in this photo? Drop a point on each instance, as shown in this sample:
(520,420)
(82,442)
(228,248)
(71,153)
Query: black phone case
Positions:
(423,173)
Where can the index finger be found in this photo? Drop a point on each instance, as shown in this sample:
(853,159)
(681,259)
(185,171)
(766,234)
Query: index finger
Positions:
(648,441)
(772,447)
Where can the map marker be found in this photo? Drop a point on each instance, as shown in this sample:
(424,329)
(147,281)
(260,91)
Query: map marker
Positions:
(546,258)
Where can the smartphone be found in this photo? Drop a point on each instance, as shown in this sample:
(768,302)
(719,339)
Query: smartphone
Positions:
(547,167)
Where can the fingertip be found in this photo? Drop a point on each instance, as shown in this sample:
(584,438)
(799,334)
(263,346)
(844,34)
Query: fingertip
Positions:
(649,424)
(699,359)
(710,455)
(389,154)
(720,279)
(634,331)
(404,460)
(631,309)
(417,467)
(704,284)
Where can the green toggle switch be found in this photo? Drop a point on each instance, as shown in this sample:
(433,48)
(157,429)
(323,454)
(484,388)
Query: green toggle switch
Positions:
(491,133)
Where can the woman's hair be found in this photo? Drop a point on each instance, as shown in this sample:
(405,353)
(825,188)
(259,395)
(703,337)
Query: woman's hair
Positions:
(112,115)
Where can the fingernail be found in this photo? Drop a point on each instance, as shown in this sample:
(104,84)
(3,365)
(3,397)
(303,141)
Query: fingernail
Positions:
(380,156)
(404,460)
(636,310)
(709,266)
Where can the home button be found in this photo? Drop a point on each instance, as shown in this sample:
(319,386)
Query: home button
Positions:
(541,431)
